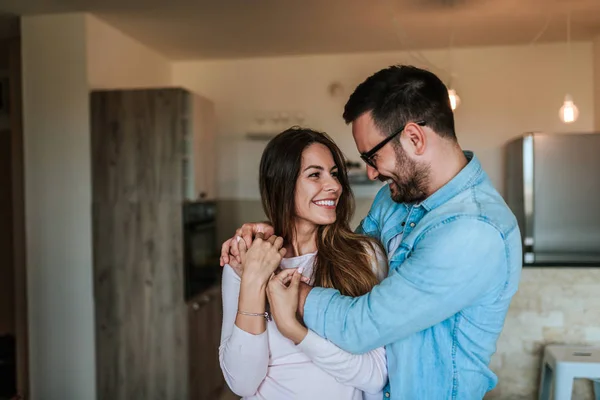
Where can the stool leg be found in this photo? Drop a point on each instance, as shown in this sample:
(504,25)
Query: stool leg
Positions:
(545,382)
(563,385)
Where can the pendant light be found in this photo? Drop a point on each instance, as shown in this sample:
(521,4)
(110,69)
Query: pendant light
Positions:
(569,112)
(452,95)
(454,99)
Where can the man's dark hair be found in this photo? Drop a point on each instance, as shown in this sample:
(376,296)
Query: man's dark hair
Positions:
(400,94)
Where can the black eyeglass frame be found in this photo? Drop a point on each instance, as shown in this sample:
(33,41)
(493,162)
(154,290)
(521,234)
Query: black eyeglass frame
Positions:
(367,157)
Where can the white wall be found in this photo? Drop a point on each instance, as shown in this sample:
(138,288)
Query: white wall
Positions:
(505,91)
(596,51)
(64,57)
(115,60)
(58,199)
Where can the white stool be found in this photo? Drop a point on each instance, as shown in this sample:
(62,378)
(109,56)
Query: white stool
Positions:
(562,364)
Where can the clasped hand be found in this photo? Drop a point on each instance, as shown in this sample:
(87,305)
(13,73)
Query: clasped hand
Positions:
(262,258)
(258,264)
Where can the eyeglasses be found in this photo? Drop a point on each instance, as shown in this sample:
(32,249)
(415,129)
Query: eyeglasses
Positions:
(368,156)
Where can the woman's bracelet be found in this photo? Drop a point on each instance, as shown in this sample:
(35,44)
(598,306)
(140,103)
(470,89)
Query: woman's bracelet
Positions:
(265,315)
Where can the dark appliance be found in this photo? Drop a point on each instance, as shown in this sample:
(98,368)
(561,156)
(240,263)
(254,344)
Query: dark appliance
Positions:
(201,251)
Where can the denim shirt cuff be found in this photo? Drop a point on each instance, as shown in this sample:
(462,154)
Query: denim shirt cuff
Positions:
(315,308)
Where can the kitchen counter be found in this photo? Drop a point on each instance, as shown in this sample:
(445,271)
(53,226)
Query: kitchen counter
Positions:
(562,265)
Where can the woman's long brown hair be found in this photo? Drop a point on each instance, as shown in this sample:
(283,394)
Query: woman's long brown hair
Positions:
(344,259)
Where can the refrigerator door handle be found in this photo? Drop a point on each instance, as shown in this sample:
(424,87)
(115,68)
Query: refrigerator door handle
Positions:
(528,191)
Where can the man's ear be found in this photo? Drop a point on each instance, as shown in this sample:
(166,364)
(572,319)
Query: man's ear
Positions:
(415,137)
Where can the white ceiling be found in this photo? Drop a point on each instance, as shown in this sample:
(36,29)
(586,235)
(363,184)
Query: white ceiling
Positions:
(197,29)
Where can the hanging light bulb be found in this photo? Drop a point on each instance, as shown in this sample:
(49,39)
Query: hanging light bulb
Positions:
(569,112)
(454,99)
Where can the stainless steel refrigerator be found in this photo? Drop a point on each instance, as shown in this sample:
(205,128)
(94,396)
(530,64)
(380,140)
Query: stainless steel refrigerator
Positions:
(553,187)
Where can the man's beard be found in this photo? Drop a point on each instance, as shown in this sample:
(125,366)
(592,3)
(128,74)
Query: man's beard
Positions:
(411,186)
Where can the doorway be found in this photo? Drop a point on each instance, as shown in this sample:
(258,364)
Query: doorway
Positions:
(13,298)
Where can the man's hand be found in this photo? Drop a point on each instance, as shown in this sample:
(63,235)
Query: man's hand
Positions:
(230,252)
(232,261)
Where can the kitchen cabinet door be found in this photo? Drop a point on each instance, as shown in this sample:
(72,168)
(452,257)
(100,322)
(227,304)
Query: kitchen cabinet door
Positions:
(205,315)
(199,149)
(140,312)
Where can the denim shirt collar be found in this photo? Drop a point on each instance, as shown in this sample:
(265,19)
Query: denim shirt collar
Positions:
(465,178)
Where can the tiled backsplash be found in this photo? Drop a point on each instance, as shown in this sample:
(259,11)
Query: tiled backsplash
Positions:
(553,305)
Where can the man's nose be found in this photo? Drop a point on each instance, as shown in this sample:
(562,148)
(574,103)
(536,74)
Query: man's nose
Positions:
(372,173)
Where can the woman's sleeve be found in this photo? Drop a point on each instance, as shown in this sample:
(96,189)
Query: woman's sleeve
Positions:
(244,357)
(367,372)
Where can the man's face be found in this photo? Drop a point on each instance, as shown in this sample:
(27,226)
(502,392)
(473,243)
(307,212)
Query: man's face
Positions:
(406,177)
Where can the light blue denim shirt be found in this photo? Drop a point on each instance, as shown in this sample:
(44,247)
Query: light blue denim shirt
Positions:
(441,309)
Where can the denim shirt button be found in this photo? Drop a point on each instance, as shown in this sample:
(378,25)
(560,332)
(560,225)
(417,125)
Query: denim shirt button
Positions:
(387,394)
(412,224)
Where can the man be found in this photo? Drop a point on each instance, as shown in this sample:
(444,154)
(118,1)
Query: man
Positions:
(453,245)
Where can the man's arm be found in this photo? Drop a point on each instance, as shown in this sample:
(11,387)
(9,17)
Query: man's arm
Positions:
(455,264)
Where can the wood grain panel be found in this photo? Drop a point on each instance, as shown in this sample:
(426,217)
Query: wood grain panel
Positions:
(136,144)
(141,318)
(205,317)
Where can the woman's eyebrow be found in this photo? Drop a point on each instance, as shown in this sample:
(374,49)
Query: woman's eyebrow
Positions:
(313,166)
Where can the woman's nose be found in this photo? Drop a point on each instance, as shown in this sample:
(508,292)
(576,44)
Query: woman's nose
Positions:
(332,185)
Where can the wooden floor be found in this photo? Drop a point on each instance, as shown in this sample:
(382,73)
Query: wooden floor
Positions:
(226,395)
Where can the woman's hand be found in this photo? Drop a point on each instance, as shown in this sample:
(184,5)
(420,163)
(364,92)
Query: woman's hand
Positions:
(230,252)
(261,259)
(282,292)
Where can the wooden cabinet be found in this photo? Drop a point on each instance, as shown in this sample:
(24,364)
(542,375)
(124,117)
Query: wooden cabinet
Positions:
(141,335)
(199,149)
(138,190)
(205,313)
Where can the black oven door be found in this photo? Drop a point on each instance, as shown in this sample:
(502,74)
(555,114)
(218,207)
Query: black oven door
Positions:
(201,256)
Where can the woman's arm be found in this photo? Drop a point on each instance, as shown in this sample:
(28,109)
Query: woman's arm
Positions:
(244,349)
(252,298)
(367,372)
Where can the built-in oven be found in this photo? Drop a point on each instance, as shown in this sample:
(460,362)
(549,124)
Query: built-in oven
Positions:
(201,250)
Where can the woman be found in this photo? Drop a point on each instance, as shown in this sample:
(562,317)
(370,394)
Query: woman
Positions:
(306,195)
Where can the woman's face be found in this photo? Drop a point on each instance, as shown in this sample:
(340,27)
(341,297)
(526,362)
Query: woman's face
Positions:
(317,188)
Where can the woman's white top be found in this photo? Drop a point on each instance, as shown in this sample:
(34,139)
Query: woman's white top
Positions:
(271,367)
